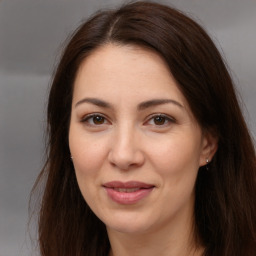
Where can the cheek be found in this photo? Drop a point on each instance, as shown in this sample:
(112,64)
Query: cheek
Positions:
(88,159)
(88,155)
(177,162)
(86,149)
(176,155)
(87,164)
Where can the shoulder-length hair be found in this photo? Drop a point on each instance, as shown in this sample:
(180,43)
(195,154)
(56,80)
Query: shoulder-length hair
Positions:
(225,206)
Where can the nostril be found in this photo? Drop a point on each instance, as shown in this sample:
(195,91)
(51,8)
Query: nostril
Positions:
(125,159)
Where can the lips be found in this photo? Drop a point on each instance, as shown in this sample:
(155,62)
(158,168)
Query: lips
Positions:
(127,192)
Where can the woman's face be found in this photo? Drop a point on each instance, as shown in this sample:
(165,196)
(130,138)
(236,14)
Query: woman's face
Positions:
(135,144)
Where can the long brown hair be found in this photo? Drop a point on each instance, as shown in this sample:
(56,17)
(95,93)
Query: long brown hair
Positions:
(225,207)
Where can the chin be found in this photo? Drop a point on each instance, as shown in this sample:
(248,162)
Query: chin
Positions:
(130,225)
(127,228)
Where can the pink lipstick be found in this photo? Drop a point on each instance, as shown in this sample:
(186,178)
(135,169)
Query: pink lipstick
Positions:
(127,192)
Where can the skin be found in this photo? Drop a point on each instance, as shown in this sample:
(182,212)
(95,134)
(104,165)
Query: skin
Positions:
(128,140)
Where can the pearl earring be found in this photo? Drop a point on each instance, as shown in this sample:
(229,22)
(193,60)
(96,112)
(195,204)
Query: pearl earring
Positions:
(207,162)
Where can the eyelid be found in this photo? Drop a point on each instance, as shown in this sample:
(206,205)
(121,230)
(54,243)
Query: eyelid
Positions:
(86,117)
(167,117)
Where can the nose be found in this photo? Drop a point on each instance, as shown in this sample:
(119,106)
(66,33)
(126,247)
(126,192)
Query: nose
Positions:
(126,150)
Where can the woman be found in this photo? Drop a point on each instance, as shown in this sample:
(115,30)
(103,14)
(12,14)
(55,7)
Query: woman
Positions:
(148,151)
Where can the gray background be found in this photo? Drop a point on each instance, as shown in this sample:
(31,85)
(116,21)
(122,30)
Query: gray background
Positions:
(31,35)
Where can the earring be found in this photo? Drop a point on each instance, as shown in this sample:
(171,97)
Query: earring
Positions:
(206,166)
(71,157)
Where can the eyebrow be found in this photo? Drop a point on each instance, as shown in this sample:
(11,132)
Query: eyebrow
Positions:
(94,101)
(143,105)
(156,102)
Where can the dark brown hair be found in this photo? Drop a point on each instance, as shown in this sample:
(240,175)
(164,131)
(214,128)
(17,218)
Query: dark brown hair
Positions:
(225,207)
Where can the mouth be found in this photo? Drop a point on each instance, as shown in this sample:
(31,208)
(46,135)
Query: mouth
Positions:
(127,192)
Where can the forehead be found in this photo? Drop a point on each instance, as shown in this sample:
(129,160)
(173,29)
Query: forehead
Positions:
(124,71)
(111,57)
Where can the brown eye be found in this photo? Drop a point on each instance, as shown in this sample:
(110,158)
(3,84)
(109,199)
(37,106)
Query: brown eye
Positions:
(95,119)
(159,120)
(98,120)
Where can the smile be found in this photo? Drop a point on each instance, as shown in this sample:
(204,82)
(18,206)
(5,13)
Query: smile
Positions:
(127,192)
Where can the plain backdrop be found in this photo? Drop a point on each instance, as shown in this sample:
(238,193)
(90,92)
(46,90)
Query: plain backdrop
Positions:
(32,33)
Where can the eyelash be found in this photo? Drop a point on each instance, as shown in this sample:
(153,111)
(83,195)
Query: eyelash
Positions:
(91,116)
(167,119)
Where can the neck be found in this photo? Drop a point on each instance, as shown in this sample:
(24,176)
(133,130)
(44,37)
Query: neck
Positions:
(170,240)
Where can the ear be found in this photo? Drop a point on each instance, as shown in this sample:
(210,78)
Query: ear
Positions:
(209,147)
